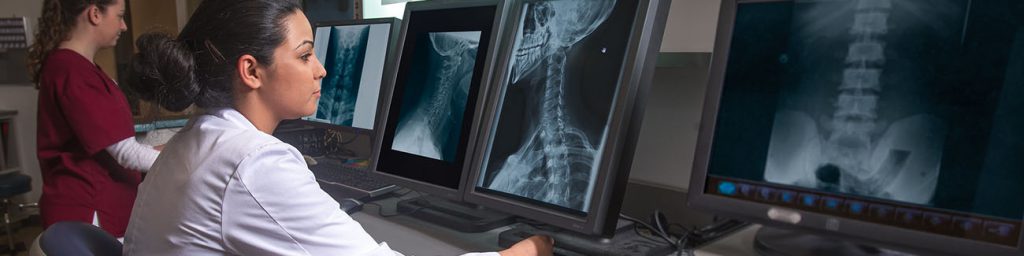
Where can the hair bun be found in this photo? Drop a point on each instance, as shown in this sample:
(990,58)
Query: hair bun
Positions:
(164,71)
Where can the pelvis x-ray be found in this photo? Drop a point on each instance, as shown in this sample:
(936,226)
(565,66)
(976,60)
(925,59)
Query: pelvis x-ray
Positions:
(551,124)
(432,109)
(857,114)
(346,50)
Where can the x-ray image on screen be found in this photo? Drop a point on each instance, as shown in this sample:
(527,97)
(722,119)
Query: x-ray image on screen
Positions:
(857,112)
(553,118)
(431,114)
(353,56)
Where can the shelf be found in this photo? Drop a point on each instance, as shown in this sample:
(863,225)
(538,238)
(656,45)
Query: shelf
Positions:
(10,170)
(5,114)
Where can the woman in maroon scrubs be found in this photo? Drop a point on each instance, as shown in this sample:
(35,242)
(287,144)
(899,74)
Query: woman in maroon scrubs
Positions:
(85,131)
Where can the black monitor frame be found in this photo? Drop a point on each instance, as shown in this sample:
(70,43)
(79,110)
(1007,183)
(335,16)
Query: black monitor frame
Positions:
(385,82)
(501,7)
(636,73)
(807,221)
(385,76)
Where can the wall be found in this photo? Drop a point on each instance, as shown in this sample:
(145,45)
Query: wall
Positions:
(691,26)
(23,99)
(375,9)
(150,16)
(665,148)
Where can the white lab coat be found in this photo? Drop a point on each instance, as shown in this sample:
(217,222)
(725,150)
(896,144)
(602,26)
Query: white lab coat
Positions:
(221,186)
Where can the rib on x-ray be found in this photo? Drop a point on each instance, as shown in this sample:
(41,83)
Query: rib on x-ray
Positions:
(344,63)
(883,138)
(556,161)
(431,121)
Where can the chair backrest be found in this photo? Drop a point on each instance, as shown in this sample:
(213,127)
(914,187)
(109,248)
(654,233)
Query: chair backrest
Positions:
(78,238)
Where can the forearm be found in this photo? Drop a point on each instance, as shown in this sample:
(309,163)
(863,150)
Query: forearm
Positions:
(133,155)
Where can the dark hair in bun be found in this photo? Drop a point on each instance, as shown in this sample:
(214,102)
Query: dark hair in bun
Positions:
(164,72)
(198,67)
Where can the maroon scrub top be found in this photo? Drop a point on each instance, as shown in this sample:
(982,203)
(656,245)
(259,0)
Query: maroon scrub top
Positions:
(82,112)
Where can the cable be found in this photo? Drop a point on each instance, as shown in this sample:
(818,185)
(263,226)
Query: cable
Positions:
(648,226)
(663,228)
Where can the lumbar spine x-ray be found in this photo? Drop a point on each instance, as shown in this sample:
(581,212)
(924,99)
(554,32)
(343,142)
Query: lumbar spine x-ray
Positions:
(854,150)
(426,131)
(556,162)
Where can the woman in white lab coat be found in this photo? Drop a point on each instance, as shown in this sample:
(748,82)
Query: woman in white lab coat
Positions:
(224,185)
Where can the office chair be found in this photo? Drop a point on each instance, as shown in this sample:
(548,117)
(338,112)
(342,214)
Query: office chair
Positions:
(78,238)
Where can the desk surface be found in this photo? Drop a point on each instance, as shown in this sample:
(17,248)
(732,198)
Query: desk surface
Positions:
(415,237)
(412,236)
(735,244)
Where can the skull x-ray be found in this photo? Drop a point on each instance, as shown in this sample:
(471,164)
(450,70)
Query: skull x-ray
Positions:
(353,56)
(553,119)
(431,115)
(856,113)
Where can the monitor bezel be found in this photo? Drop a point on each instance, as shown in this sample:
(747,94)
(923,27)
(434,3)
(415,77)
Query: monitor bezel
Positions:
(636,74)
(496,30)
(385,83)
(810,222)
(385,77)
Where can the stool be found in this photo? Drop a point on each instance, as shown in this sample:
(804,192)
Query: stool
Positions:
(77,239)
(12,184)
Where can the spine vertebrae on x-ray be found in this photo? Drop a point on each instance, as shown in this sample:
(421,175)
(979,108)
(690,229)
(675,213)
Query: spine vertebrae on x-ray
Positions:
(554,164)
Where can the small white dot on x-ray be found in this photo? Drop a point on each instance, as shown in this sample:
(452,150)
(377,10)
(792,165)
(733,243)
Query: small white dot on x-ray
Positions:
(604,49)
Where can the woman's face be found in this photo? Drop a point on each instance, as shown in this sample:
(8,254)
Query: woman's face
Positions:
(111,24)
(293,80)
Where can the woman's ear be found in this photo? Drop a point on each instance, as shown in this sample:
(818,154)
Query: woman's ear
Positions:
(94,14)
(249,72)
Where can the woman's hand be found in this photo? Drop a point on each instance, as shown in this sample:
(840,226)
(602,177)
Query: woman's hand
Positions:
(534,245)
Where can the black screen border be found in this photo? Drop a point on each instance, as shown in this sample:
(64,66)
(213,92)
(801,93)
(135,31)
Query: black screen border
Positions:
(626,117)
(403,168)
(811,222)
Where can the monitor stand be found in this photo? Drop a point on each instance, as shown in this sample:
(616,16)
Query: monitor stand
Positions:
(625,241)
(463,217)
(771,241)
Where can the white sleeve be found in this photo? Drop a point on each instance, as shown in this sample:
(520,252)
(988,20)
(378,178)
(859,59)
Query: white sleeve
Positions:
(133,155)
(274,206)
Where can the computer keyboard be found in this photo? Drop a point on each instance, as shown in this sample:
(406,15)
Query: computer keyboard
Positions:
(357,180)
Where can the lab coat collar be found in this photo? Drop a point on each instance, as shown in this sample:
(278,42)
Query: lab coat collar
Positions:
(233,116)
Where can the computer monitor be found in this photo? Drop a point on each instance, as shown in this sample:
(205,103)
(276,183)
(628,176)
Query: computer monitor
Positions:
(354,53)
(890,123)
(444,63)
(558,141)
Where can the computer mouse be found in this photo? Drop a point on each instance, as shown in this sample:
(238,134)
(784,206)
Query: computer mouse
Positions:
(309,160)
(350,205)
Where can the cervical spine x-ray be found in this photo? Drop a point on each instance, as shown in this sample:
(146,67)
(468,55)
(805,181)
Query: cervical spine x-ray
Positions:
(557,153)
(855,116)
(430,121)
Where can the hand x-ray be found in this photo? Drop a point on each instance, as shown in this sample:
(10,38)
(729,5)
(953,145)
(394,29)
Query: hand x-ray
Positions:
(432,109)
(553,118)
